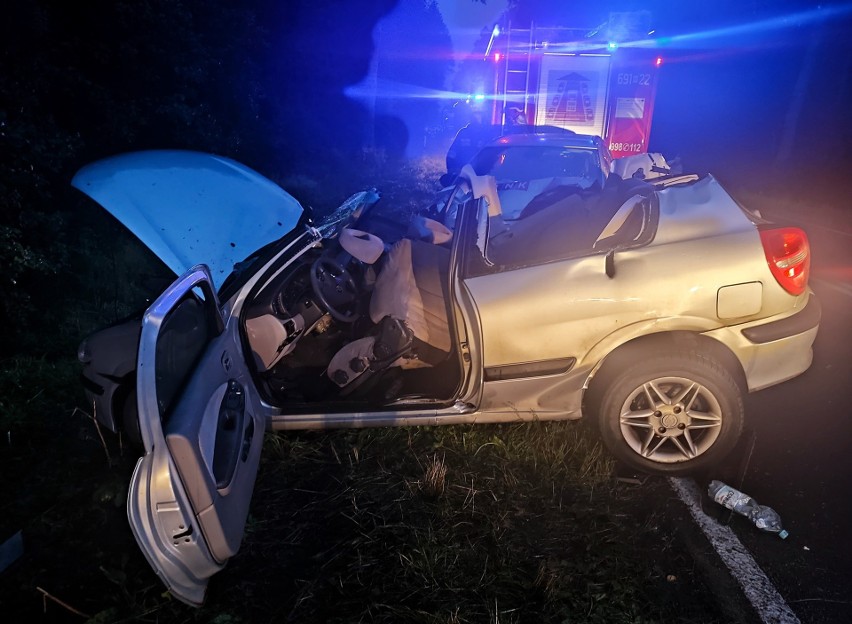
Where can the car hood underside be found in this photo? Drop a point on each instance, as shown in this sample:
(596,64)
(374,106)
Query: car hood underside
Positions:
(191,208)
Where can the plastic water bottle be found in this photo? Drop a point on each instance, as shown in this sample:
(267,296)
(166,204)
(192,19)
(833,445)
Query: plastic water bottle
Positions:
(764,518)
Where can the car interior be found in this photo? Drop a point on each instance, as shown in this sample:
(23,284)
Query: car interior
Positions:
(358,310)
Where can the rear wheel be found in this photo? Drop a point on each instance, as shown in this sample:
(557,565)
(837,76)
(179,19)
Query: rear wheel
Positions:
(669,414)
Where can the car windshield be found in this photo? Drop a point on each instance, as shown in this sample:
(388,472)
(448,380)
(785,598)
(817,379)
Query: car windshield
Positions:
(353,208)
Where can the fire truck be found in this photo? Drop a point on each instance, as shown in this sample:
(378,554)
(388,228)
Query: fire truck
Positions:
(577,80)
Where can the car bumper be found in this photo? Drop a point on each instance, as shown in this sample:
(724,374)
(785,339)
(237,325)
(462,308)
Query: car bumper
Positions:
(802,322)
(775,351)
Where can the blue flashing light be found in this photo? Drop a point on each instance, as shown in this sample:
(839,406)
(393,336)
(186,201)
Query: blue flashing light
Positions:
(496,31)
(612,45)
(479,97)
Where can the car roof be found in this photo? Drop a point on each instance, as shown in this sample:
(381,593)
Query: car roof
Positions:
(580,141)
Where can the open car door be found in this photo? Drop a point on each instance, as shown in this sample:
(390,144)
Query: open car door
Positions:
(202,433)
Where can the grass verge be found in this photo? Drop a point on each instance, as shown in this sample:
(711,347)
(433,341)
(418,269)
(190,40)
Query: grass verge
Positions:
(502,523)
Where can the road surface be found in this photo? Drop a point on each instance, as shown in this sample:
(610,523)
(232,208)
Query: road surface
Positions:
(797,455)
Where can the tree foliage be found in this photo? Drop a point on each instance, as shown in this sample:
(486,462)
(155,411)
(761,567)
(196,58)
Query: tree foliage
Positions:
(259,81)
(410,73)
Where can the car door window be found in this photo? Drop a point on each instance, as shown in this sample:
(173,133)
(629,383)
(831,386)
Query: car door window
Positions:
(185,333)
(448,205)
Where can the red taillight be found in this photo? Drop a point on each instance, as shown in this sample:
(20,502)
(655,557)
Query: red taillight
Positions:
(789,257)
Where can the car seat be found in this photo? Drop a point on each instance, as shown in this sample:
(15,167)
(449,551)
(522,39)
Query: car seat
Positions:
(409,309)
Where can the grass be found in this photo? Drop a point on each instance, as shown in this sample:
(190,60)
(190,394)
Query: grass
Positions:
(30,387)
(455,524)
(497,523)
(406,187)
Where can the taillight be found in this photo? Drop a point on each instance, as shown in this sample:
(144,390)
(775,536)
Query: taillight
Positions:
(789,256)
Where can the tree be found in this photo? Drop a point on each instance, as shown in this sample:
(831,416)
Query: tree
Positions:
(412,63)
(82,81)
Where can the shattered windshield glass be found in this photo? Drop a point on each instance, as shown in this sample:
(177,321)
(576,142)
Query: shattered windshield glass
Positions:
(348,211)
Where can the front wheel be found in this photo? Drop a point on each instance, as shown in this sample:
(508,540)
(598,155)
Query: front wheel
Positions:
(670,414)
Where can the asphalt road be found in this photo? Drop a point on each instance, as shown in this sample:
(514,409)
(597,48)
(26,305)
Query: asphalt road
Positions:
(797,454)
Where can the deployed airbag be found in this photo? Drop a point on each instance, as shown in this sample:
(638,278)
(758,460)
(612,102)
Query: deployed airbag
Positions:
(411,288)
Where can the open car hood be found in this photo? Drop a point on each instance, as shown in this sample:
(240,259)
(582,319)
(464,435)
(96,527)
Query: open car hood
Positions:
(191,208)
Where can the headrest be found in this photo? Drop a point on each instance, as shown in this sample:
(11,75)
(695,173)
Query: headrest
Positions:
(429,230)
(362,246)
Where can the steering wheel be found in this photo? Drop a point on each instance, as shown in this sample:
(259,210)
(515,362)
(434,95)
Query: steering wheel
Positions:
(335,288)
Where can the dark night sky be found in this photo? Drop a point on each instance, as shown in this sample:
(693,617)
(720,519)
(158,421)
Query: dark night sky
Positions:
(719,97)
(771,84)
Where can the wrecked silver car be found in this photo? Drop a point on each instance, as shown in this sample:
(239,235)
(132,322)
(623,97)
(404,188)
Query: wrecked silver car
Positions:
(536,293)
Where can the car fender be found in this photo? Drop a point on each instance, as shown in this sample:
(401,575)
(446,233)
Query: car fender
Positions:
(659,328)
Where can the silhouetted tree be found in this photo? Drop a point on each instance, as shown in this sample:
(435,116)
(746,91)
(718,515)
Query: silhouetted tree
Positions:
(412,64)
(80,81)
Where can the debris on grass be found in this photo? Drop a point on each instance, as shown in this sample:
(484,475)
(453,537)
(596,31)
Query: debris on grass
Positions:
(47,596)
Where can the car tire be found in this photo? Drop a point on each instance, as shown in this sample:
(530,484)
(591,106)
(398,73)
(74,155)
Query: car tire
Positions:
(672,413)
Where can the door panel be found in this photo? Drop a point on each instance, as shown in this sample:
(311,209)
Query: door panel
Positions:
(202,432)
